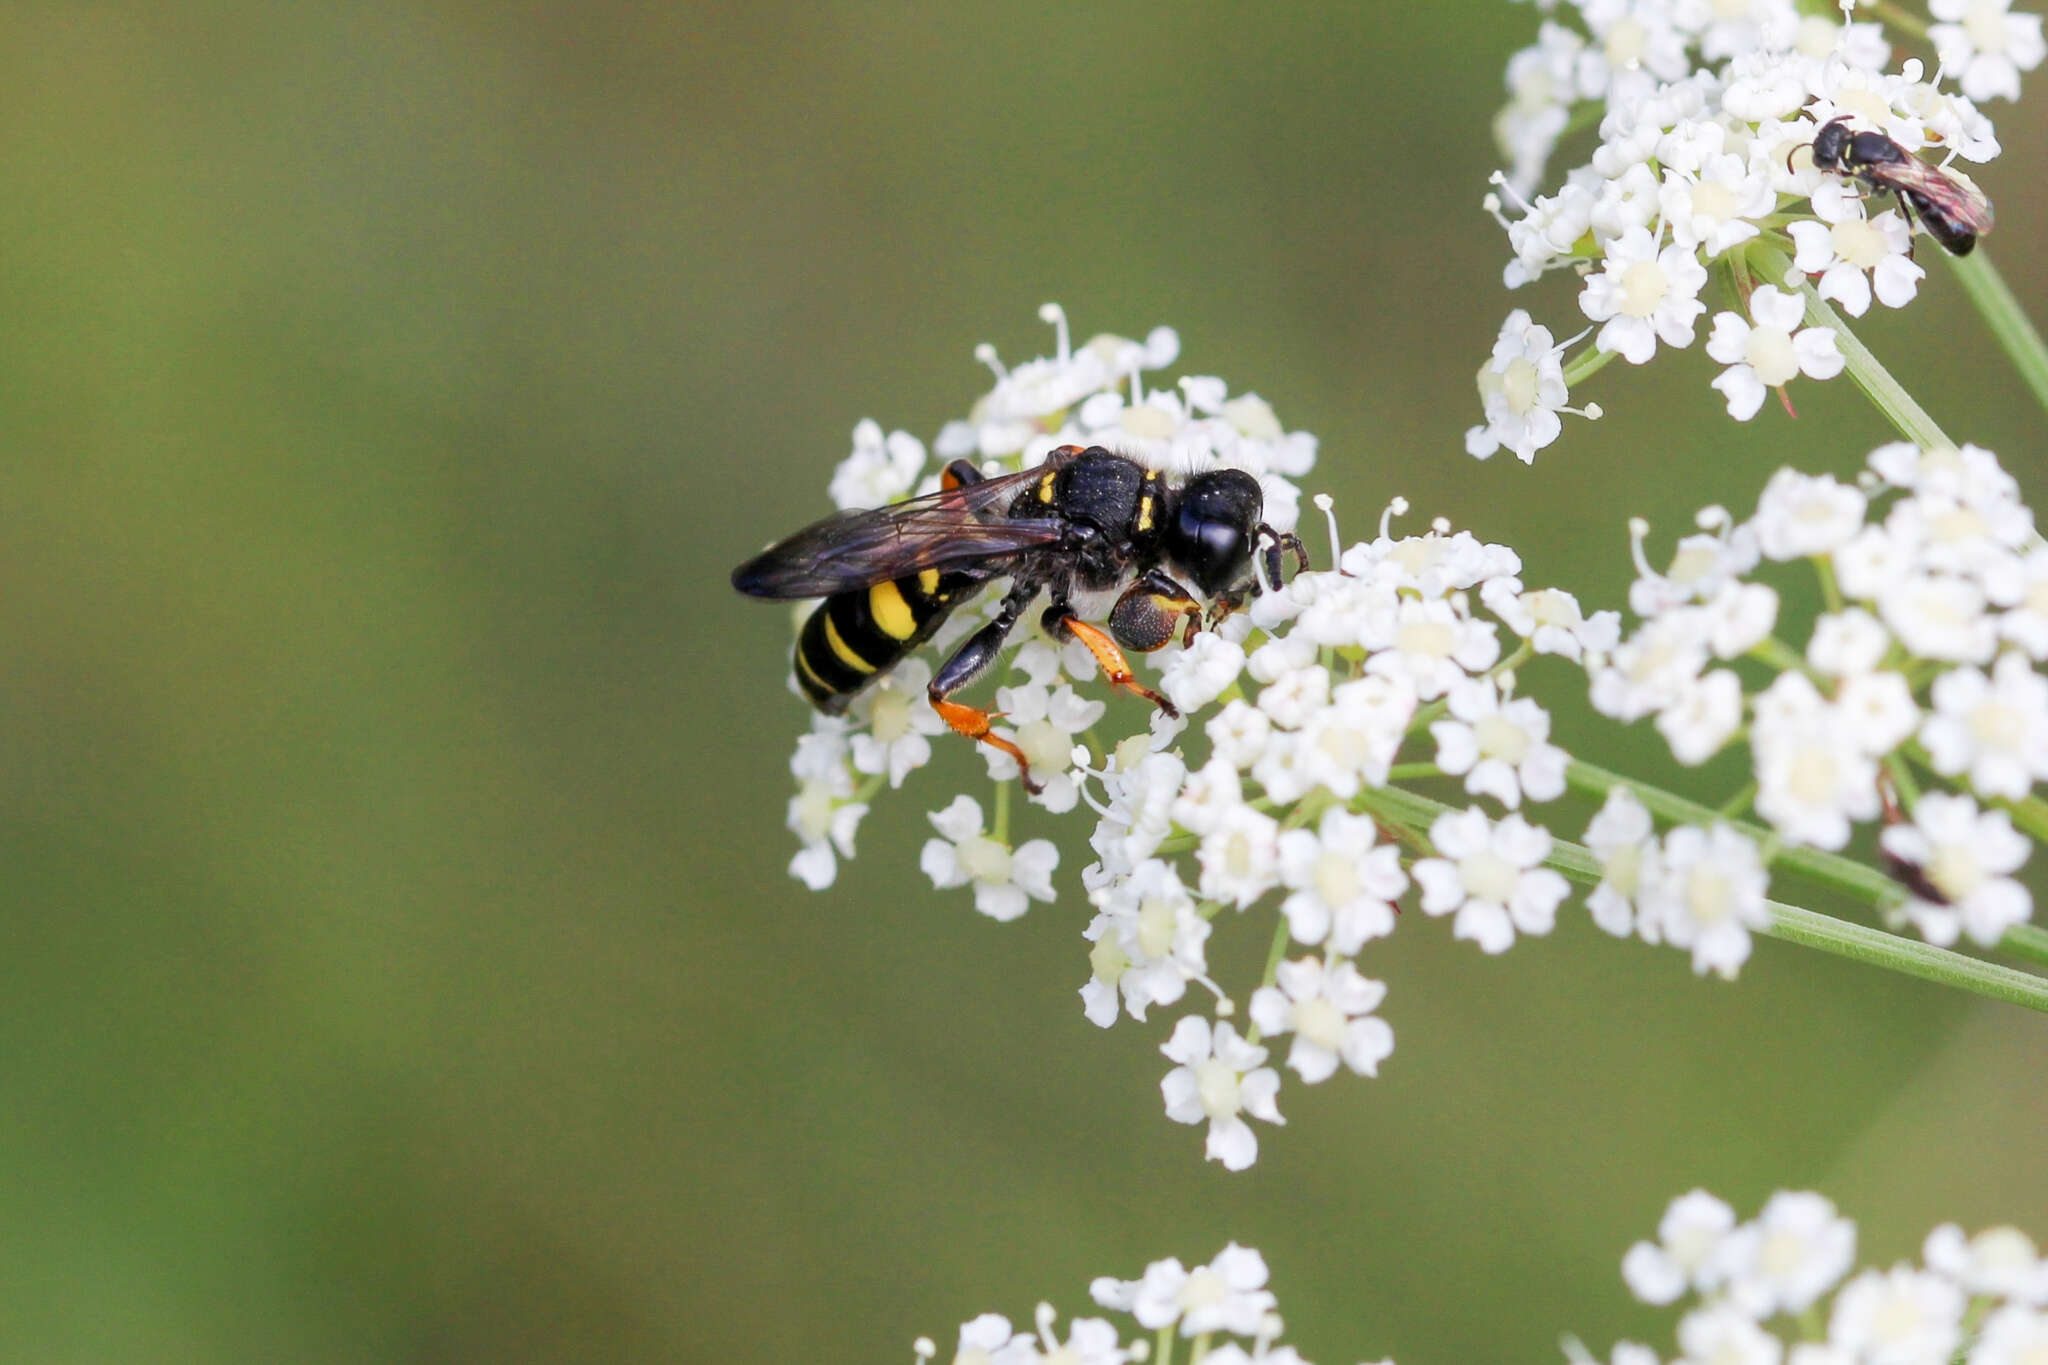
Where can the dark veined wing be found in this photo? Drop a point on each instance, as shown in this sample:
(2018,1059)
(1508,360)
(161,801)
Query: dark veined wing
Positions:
(947,529)
(1955,198)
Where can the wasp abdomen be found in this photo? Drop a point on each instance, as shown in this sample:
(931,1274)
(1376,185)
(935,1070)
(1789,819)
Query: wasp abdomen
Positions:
(855,637)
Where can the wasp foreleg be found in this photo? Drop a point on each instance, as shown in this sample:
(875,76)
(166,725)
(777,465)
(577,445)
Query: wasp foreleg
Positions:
(1063,625)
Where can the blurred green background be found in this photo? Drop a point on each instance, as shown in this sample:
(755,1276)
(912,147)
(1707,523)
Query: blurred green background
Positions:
(399,963)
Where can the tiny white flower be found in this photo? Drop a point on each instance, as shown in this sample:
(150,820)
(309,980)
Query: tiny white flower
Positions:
(1642,295)
(1847,643)
(1550,619)
(1813,775)
(1352,742)
(2013,1335)
(1240,856)
(1966,855)
(1489,874)
(1044,722)
(1208,796)
(1707,895)
(1655,667)
(2023,591)
(880,470)
(1090,1341)
(1701,716)
(898,724)
(1900,1317)
(988,1340)
(1500,747)
(1878,708)
(1295,696)
(1768,352)
(1623,838)
(2000,1261)
(1344,882)
(1329,1012)
(1938,617)
(1801,514)
(1857,257)
(1715,207)
(1220,1077)
(1005,880)
(1430,645)
(1199,674)
(1797,1249)
(1149,943)
(1990,44)
(1521,389)
(1739,617)
(1722,1334)
(1687,1239)
(1239,732)
(1992,729)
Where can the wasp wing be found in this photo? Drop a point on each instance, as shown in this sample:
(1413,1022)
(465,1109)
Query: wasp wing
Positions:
(948,529)
(1947,193)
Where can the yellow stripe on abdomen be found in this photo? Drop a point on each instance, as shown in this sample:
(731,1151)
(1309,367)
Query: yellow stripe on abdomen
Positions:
(844,650)
(891,612)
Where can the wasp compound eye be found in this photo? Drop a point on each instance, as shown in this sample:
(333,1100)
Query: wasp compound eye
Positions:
(1211,533)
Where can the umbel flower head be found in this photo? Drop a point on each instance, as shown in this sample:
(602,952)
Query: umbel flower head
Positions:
(1703,111)
(1223,1308)
(1743,1283)
(1282,791)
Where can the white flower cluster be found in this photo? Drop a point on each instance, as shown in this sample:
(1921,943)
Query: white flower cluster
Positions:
(1224,1308)
(1321,685)
(1921,668)
(1975,1300)
(1299,713)
(1091,395)
(1703,109)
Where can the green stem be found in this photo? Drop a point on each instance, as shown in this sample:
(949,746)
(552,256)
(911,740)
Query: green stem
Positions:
(1831,870)
(1899,18)
(1794,924)
(2029,941)
(1585,365)
(1830,590)
(2030,814)
(1845,875)
(1281,938)
(1408,772)
(2005,317)
(1887,393)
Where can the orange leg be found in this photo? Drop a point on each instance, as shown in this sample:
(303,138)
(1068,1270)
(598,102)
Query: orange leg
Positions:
(974,724)
(1114,666)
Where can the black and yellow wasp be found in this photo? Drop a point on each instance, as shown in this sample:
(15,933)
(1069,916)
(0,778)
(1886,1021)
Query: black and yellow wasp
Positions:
(1084,523)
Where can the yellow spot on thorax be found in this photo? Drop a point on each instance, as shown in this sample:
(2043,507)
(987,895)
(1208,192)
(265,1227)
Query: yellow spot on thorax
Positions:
(928,582)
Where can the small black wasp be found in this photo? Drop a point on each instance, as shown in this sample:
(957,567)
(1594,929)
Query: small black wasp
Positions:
(1954,211)
(1083,522)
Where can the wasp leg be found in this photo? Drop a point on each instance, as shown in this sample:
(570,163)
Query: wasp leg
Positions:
(1062,624)
(1145,617)
(1282,541)
(968,663)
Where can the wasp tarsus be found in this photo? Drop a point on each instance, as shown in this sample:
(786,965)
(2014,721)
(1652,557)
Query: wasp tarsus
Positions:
(1084,521)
